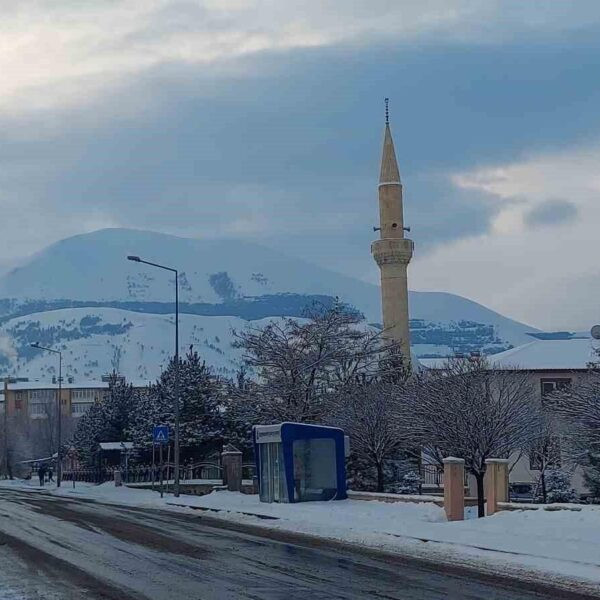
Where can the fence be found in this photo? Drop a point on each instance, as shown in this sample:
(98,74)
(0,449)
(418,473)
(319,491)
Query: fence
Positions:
(433,476)
(149,473)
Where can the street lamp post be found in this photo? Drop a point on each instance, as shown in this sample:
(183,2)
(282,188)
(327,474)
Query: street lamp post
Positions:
(176,407)
(58,404)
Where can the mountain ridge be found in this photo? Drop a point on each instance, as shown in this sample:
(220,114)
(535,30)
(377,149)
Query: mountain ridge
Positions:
(89,273)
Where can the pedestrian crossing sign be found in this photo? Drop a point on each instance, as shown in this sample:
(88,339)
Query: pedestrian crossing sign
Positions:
(160,434)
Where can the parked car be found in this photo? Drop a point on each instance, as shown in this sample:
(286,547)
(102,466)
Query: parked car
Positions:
(521,492)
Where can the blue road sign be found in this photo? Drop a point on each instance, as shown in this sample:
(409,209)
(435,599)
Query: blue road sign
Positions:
(160,434)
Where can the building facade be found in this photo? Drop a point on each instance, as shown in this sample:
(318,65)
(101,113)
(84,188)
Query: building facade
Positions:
(37,400)
(551,365)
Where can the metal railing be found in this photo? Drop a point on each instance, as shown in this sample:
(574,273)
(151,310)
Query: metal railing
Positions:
(433,476)
(152,474)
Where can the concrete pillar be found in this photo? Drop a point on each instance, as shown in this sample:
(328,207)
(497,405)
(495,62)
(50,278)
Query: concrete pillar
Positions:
(454,488)
(496,483)
(231,461)
(118,479)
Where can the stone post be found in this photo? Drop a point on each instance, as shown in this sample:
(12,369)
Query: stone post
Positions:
(454,488)
(231,461)
(118,478)
(496,483)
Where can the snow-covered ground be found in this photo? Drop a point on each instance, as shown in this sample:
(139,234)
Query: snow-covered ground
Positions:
(560,545)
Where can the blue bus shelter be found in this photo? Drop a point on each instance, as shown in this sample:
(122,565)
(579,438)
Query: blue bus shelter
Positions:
(296,462)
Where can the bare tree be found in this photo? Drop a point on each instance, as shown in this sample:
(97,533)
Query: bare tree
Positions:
(371,414)
(544,450)
(299,364)
(474,412)
(579,409)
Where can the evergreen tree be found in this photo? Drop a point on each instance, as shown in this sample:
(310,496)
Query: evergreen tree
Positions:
(202,415)
(107,420)
(592,474)
(558,487)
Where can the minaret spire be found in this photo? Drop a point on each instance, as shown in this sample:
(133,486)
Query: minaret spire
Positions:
(389,165)
(393,251)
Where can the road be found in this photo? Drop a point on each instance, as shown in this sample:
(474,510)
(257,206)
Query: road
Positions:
(58,548)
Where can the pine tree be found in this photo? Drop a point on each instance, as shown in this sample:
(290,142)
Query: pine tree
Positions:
(107,420)
(202,413)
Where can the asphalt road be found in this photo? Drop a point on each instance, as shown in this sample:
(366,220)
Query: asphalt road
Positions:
(57,548)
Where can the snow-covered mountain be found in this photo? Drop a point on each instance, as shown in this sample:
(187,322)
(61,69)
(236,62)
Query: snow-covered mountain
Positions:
(83,294)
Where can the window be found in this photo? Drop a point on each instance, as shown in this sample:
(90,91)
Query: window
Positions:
(89,395)
(554,385)
(315,475)
(40,409)
(80,408)
(42,395)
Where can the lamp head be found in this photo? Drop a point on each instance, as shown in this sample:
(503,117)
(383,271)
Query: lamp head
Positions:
(134,258)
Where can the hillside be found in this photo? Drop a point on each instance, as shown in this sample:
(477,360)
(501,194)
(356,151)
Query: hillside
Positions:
(82,293)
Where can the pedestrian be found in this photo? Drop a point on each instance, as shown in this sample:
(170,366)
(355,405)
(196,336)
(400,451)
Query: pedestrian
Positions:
(41,474)
(50,475)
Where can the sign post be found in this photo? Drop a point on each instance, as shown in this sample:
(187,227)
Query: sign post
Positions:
(160,436)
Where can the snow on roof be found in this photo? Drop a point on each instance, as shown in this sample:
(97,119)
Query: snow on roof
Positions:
(433,363)
(116,445)
(76,385)
(538,355)
(48,385)
(558,355)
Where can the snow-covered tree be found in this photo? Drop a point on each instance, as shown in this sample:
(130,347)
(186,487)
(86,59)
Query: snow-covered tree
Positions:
(473,412)
(298,364)
(372,415)
(107,420)
(579,406)
(579,409)
(410,483)
(592,475)
(544,451)
(202,413)
(558,488)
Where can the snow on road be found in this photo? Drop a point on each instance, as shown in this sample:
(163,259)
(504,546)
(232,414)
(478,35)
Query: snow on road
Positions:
(539,544)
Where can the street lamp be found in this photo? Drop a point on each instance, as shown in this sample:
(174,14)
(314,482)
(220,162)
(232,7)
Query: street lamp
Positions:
(58,402)
(176,444)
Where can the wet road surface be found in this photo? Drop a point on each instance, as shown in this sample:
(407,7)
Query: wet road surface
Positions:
(58,548)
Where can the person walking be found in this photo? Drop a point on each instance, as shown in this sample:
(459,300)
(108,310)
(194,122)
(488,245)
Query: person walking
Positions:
(50,475)
(41,474)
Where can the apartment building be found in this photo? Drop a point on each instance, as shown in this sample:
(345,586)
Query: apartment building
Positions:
(37,399)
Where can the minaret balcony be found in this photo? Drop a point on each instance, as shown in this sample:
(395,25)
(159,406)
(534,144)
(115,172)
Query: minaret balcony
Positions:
(392,251)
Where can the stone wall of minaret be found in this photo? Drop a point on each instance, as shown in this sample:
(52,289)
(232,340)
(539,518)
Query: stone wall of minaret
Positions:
(393,251)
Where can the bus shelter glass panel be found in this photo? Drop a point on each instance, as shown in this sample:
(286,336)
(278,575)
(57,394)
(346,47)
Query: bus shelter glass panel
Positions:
(315,474)
(272,473)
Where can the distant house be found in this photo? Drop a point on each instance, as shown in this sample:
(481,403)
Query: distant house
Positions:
(553,365)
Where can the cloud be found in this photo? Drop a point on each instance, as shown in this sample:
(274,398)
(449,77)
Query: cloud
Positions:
(548,278)
(551,212)
(263,120)
(52,53)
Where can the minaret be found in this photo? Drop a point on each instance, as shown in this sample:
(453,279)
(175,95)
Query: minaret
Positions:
(393,251)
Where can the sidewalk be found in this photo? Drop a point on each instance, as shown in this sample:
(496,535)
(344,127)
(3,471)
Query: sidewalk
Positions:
(552,546)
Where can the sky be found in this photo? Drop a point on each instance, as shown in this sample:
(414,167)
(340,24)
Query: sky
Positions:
(263,120)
